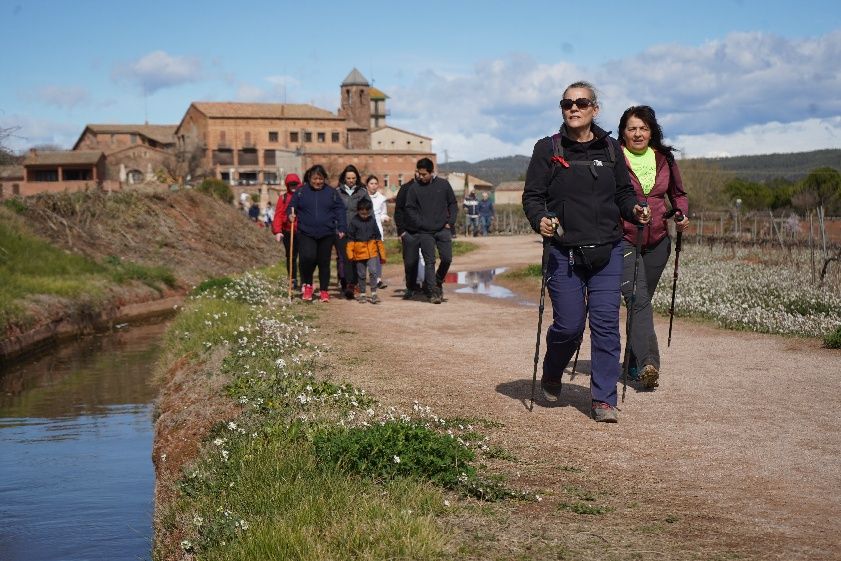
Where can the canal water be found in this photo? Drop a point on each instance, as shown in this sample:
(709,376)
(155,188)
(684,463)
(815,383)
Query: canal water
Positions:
(76,475)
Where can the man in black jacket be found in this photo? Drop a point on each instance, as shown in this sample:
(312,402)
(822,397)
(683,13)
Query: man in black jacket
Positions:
(431,208)
(408,235)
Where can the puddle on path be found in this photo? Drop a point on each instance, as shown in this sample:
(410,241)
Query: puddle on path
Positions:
(481,282)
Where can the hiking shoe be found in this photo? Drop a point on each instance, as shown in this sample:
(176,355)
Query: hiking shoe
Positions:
(350,291)
(361,298)
(381,284)
(374,299)
(324,296)
(551,390)
(633,373)
(306,293)
(604,412)
(409,294)
(436,296)
(650,377)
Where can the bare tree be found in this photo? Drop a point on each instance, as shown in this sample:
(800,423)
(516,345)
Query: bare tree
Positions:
(187,161)
(7,157)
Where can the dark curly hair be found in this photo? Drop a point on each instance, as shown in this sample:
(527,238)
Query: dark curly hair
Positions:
(646,114)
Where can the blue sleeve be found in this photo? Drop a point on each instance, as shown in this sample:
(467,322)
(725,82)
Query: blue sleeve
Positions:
(340,212)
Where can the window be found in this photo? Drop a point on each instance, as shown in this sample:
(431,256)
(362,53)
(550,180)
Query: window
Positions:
(307,136)
(334,137)
(322,137)
(223,157)
(272,136)
(247,157)
(293,137)
(269,157)
(45,175)
(385,180)
(400,179)
(134,139)
(77,174)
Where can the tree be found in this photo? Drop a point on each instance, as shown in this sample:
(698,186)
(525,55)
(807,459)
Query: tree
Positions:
(7,157)
(704,183)
(824,185)
(188,161)
(754,196)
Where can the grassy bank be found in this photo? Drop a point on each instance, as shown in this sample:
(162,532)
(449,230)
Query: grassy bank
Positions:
(34,270)
(744,289)
(307,467)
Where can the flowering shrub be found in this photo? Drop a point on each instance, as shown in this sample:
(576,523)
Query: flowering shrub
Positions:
(739,288)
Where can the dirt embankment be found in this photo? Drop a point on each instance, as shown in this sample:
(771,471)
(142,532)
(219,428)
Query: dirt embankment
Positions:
(193,235)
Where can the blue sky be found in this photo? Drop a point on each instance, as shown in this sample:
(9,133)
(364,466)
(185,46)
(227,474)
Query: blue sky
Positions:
(481,78)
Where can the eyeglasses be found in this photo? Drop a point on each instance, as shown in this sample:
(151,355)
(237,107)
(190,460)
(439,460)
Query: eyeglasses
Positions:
(581,103)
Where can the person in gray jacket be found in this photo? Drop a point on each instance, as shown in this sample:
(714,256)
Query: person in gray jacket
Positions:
(351,190)
(432,209)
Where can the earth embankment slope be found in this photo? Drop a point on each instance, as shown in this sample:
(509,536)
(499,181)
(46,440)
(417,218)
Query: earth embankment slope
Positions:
(191,235)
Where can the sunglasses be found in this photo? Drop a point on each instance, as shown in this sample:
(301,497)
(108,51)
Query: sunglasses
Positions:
(581,103)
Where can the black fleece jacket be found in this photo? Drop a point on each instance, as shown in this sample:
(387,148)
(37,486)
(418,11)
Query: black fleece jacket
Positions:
(432,206)
(588,199)
(401,220)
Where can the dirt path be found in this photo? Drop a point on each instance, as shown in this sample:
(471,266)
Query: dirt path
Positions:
(736,455)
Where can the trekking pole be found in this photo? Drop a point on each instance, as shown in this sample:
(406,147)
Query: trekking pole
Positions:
(540,307)
(581,340)
(678,239)
(290,259)
(630,319)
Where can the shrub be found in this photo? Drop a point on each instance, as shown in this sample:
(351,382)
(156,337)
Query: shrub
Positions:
(15,205)
(216,188)
(833,339)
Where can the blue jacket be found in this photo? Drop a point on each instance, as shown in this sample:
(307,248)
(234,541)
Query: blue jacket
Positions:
(485,208)
(318,213)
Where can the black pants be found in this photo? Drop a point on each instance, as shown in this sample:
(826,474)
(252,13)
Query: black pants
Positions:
(291,258)
(346,269)
(443,241)
(315,251)
(411,244)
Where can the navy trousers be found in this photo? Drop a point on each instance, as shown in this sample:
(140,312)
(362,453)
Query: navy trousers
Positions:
(575,294)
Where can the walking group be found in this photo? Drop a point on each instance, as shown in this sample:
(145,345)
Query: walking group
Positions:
(313,218)
(601,206)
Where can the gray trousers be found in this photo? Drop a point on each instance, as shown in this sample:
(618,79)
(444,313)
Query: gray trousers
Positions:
(371,267)
(644,348)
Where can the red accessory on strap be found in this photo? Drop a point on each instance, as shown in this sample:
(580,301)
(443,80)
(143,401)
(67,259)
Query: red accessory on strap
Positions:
(560,160)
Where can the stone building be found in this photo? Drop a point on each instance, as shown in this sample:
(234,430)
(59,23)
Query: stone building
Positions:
(250,144)
(133,153)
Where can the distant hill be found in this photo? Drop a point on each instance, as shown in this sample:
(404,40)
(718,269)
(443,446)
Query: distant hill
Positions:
(791,166)
(494,170)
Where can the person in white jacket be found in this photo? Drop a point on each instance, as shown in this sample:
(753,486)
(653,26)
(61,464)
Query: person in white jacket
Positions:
(380,215)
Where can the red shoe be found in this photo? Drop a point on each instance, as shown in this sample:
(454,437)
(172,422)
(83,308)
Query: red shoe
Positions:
(324,295)
(306,293)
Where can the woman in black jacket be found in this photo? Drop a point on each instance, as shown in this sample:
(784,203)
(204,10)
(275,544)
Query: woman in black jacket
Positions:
(577,188)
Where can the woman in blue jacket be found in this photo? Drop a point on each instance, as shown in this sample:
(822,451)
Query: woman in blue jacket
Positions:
(320,214)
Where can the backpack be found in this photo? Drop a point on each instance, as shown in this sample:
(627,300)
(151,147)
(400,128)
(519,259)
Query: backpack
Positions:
(558,157)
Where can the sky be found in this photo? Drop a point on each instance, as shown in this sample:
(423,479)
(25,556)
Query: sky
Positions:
(483,78)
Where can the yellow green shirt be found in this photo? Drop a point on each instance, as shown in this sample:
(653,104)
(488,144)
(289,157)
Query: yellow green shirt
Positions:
(644,167)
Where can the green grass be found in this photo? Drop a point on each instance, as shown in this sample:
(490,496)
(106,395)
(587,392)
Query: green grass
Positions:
(832,340)
(31,267)
(530,271)
(311,468)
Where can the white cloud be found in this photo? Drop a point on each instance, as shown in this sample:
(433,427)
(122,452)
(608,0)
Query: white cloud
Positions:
(730,90)
(768,138)
(33,132)
(158,70)
(64,97)
(276,92)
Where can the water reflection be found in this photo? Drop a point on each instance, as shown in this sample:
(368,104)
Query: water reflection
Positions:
(480,282)
(76,477)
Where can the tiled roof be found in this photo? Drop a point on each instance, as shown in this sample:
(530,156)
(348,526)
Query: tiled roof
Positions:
(263,110)
(511,186)
(355,78)
(377,93)
(164,134)
(71,157)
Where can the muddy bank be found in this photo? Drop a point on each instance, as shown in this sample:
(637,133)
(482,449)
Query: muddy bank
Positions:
(193,235)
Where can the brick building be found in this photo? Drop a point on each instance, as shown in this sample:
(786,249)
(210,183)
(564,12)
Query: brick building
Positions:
(255,143)
(246,144)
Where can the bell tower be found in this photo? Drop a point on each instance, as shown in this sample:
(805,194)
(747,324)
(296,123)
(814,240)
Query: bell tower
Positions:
(356,108)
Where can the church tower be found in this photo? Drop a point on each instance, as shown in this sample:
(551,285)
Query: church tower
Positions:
(356,107)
